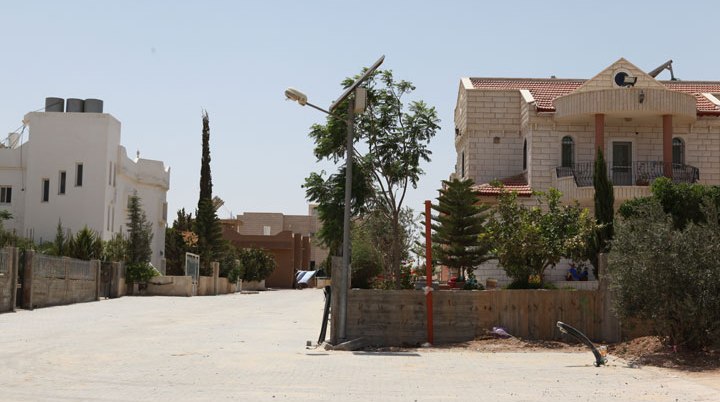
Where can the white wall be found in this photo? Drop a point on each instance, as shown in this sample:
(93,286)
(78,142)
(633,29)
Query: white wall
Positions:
(58,142)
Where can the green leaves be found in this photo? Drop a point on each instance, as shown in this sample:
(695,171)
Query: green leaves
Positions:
(529,239)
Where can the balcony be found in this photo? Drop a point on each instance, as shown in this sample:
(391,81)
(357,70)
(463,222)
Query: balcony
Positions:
(634,174)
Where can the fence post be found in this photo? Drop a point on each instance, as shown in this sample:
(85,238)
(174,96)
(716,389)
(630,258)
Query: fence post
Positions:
(27,302)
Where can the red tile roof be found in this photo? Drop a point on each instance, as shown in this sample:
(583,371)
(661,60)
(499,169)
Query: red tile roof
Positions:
(545,90)
(697,88)
(517,184)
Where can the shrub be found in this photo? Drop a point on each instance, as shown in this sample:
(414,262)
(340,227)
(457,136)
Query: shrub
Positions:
(139,272)
(667,275)
(255,264)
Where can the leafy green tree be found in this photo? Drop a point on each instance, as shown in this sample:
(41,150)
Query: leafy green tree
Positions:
(177,243)
(669,276)
(5,237)
(255,264)
(115,249)
(85,245)
(396,137)
(460,239)
(207,224)
(371,257)
(528,240)
(683,201)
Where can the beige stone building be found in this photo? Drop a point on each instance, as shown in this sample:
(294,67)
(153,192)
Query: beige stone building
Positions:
(290,239)
(533,134)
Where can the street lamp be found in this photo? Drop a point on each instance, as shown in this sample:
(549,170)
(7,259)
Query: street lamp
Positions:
(356,105)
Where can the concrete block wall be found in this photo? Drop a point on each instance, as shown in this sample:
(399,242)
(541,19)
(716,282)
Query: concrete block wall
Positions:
(399,317)
(52,281)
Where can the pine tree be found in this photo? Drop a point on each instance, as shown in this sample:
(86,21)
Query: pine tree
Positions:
(139,233)
(459,227)
(207,224)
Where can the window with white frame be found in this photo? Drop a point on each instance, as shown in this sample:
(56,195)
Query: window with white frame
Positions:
(62,179)
(78,175)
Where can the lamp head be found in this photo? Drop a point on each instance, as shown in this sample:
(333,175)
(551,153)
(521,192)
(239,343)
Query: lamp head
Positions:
(295,95)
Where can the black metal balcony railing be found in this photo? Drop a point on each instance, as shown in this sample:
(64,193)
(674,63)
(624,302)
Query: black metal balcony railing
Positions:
(635,174)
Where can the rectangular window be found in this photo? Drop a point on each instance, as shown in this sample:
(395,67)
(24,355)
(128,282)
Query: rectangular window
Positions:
(61,182)
(462,166)
(164,211)
(45,190)
(5,195)
(79,175)
(266,230)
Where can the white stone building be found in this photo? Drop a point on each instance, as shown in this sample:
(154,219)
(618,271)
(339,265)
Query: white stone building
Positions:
(73,169)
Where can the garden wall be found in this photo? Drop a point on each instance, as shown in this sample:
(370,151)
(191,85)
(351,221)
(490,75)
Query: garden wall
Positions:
(52,281)
(170,286)
(398,317)
(8,278)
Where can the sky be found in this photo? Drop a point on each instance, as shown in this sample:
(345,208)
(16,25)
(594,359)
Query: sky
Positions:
(158,64)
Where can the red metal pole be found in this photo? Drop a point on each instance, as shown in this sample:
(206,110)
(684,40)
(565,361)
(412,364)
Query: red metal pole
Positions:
(428,273)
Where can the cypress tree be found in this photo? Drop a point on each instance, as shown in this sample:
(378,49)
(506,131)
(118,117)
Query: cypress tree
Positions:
(207,224)
(604,208)
(458,227)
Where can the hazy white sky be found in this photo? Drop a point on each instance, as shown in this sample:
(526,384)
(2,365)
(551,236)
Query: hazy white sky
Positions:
(157,64)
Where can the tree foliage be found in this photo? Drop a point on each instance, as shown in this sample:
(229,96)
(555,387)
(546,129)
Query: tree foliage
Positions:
(255,264)
(139,233)
(528,240)
(370,255)
(207,225)
(669,275)
(604,211)
(683,201)
(85,245)
(396,137)
(460,239)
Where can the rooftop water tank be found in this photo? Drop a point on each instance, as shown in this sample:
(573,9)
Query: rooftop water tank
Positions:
(75,105)
(93,106)
(54,104)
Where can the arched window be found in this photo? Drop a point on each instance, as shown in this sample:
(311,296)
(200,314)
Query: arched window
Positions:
(678,151)
(525,155)
(567,153)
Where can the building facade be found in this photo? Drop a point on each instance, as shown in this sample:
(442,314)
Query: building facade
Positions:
(290,239)
(533,134)
(72,169)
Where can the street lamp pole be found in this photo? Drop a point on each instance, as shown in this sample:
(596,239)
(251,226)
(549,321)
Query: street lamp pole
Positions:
(342,284)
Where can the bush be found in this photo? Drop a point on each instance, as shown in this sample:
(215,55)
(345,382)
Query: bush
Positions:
(669,276)
(139,272)
(255,264)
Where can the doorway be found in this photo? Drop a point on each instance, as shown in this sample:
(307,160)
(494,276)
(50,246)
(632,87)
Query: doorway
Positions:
(622,163)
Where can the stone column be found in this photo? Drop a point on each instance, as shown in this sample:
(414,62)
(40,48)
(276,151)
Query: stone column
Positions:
(215,275)
(600,133)
(667,145)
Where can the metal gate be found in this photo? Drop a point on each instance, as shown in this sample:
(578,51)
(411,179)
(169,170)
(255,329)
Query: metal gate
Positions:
(192,269)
